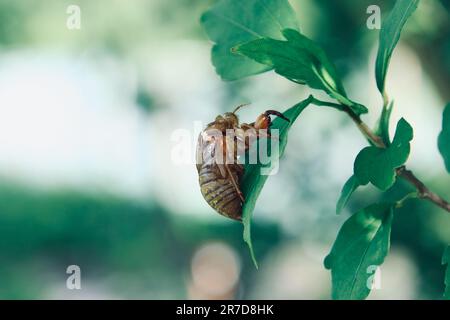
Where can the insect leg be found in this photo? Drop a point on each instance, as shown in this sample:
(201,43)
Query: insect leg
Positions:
(276,113)
(222,170)
(234,183)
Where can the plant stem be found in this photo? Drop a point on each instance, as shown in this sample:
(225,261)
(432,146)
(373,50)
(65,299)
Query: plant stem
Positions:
(385,100)
(373,138)
(366,131)
(422,190)
(318,102)
(410,195)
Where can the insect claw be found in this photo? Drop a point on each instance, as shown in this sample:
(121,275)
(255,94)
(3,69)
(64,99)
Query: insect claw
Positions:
(276,113)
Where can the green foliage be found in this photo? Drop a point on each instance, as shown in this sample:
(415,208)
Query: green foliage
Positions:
(383,124)
(301,60)
(444,137)
(389,35)
(363,241)
(253,181)
(377,165)
(446,260)
(255,36)
(229,23)
(349,187)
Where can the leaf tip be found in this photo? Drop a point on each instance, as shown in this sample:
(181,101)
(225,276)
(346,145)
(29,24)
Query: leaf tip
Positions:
(403,125)
(360,109)
(290,33)
(252,254)
(236,49)
(203,18)
(327,262)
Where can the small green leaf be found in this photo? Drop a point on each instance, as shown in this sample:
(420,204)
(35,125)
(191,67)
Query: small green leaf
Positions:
(446,260)
(362,242)
(300,60)
(253,180)
(231,22)
(377,165)
(383,124)
(389,35)
(444,138)
(349,187)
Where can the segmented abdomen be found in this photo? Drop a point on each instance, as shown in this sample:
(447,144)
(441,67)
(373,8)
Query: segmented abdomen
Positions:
(220,192)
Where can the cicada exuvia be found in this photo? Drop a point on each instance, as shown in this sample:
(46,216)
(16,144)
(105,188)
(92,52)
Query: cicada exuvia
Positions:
(219,170)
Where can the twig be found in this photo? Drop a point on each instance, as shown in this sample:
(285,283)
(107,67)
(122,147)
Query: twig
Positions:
(411,195)
(373,138)
(422,190)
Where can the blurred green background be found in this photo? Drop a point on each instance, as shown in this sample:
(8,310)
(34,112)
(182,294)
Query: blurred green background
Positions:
(87,174)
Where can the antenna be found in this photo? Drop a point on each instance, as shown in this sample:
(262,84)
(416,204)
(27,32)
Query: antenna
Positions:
(240,106)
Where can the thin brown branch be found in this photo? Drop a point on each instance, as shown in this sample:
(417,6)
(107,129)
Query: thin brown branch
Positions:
(422,190)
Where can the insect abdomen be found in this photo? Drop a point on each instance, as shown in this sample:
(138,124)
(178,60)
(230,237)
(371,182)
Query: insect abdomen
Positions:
(220,192)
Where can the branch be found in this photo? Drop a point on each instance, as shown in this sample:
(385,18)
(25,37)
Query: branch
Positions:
(422,190)
(366,131)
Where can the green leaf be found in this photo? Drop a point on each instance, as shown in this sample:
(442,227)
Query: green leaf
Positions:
(389,35)
(231,22)
(446,260)
(300,60)
(253,180)
(444,138)
(362,242)
(377,165)
(349,187)
(383,124)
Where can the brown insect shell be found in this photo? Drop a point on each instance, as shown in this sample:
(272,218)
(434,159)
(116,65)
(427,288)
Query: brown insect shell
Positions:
(228,121)
(262,122)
